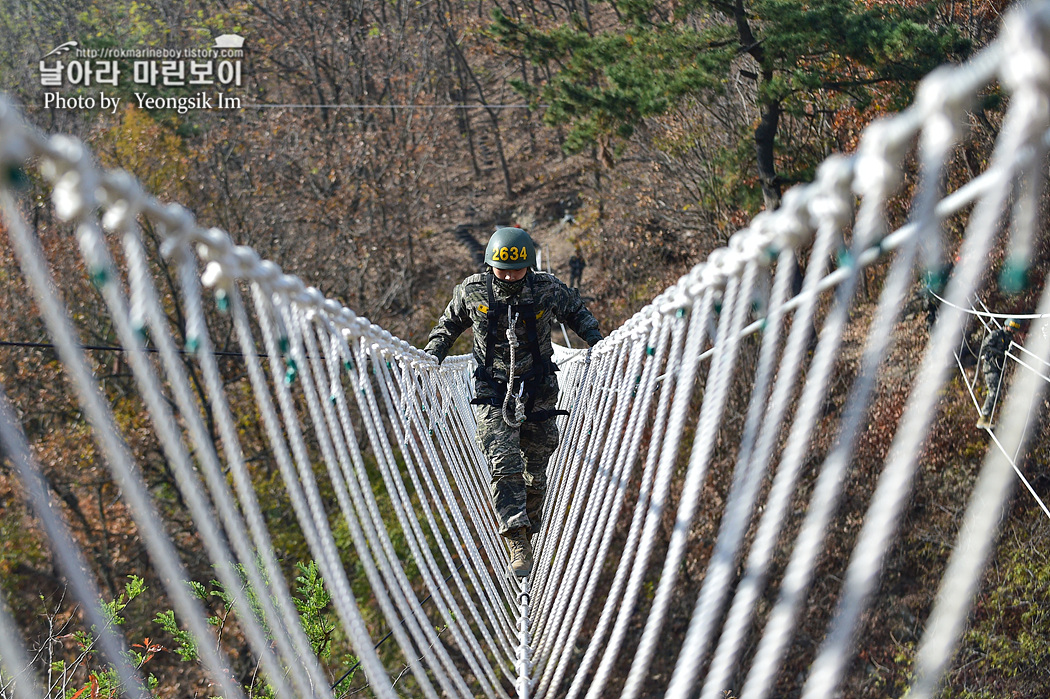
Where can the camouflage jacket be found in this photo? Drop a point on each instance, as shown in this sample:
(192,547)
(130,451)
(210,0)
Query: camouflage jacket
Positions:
(552,301)
(993,349)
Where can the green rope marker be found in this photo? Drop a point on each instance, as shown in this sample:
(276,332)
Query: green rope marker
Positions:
(430,432)
(222,300)
(718,307)
(332,398)
(282,345)
(140,330)
(291,372)
(762,325)
(650,351)
(772,252)
(844,258)
(193,344)
(348,365)
(17,177)
(680,313)
(1013,279)
(99,277)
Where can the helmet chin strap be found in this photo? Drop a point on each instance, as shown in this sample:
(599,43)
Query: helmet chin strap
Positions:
(510,287)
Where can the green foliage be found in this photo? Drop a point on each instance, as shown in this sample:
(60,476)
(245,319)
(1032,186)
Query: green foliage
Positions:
(312,603)
(79,675)
(802,57)
(1011,631)
(609,82)
(113,609)
(605,83)
(185,646)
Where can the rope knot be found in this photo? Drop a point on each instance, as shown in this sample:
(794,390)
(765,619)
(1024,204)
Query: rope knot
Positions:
(831,205)
(125,200)
(877,171)
(791,227)
(14,147)
(1026,65)
(943,107)
(69,196)
(179,227)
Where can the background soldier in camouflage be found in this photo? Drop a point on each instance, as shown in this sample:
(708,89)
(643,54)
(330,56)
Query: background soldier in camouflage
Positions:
(993,361)
(516,434)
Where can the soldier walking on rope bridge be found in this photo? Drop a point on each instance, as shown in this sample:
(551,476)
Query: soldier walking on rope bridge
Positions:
(993,359)
(515,385)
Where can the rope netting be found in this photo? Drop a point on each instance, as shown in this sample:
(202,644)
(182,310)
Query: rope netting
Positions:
(371,438)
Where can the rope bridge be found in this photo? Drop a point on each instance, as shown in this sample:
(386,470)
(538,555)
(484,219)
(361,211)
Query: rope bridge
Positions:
(341,400)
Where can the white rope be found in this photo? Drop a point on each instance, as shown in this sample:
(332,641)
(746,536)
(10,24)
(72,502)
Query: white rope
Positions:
(313,375)
(585,548)
(276,603)
(698,323)
(1027,118)
(302,488)
(983,515)
(633,536)
(995,440)
(987,314)
(642,394)
(106,431)
(746,480)
(16,661)
(737,304)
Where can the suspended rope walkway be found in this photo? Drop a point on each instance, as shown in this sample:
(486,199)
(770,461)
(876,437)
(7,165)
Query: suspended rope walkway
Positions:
(349,411)
(989,322)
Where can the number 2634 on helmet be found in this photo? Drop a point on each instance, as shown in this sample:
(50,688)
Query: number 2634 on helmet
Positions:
(510,248)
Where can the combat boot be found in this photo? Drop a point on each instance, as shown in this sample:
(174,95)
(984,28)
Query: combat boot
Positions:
(520,552)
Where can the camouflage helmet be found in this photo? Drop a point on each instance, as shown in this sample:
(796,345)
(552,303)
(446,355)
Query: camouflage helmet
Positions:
(510,248)
(1012,324)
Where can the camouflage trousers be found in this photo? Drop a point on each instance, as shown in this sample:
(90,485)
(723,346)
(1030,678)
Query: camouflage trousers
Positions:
(992,379)
(517,459)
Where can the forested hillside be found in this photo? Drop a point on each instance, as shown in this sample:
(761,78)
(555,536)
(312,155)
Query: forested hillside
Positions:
(374,144)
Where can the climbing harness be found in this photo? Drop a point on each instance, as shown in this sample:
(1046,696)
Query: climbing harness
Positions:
(519,406)
(523,396)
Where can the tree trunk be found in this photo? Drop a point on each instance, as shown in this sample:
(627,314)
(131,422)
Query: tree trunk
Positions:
(768,112)
(765,152)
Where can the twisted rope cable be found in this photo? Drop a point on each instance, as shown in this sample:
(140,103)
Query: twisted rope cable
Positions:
(698,323)
(606,475)
(737,302)
(638,517)
(645,387)
(12,647)
(747,477)
(341,471)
